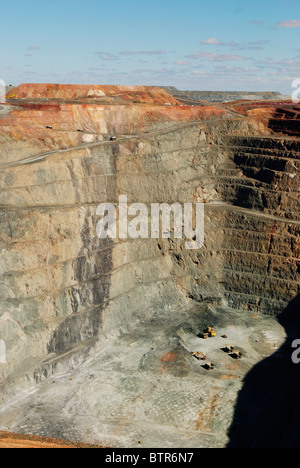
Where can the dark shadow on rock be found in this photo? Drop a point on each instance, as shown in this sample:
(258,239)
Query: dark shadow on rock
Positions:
(267,414)
(88,298)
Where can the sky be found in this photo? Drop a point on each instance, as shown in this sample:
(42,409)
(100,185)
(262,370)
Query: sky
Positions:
(191,44)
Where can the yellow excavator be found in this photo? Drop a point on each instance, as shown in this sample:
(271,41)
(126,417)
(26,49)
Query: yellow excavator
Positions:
(211,332)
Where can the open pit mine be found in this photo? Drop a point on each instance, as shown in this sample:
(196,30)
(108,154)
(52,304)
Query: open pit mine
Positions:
(143,342)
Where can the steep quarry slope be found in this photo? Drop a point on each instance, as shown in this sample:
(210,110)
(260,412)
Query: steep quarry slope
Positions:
(99,334)
(281,116)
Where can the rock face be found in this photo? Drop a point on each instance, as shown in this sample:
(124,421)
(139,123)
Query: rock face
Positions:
(100,334)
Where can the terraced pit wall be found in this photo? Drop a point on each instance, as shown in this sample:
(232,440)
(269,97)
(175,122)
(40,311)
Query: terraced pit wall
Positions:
(62,289)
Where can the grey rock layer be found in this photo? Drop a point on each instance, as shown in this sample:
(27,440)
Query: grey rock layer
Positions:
(100,334)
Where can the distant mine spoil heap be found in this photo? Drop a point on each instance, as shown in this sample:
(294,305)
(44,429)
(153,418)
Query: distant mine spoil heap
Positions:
(128,94)
(223,96)
(101,335)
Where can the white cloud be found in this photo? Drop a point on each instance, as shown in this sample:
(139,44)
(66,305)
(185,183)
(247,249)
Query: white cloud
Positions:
(213,57)
(289,24)
(143,52)
(212,41)
(184,63)
(107,56)
(97,69)
(257,45)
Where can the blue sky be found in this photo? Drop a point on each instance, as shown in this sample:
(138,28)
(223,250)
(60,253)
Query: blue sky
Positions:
(209,45)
